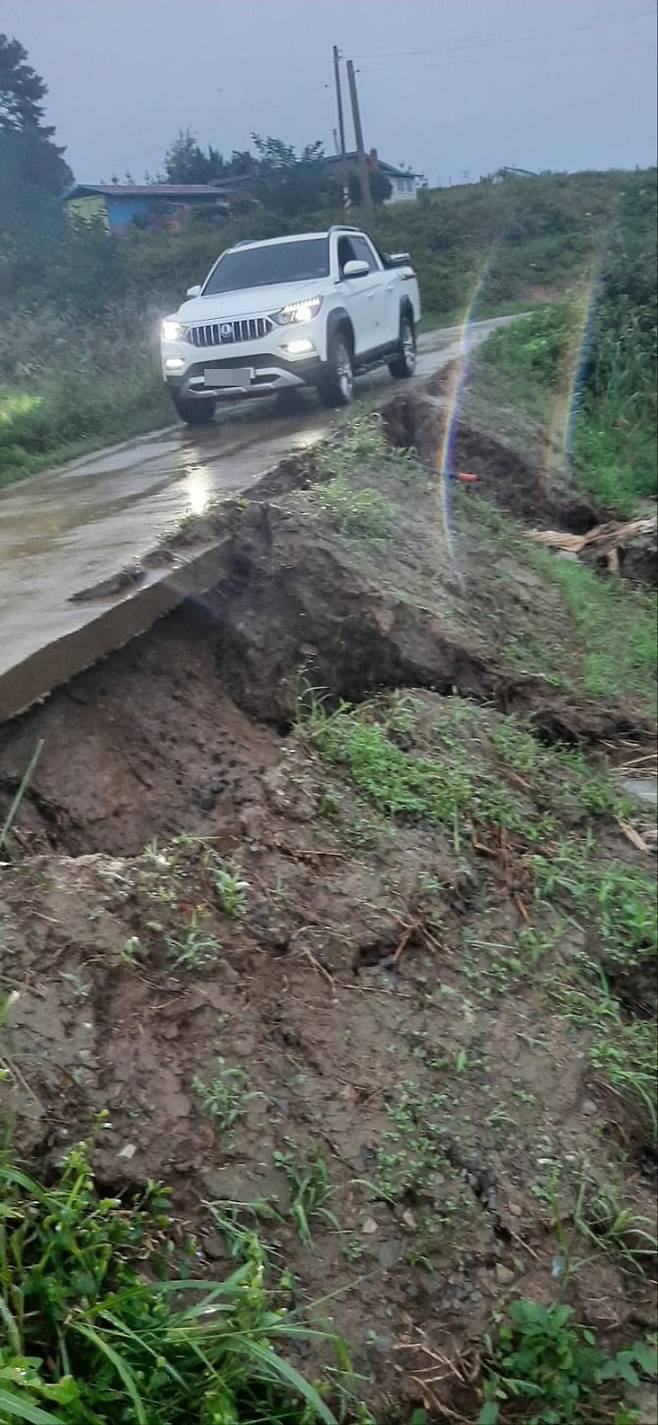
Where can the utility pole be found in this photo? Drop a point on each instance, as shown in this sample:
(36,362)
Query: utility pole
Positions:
(339,138)
(339,102)
(364,176)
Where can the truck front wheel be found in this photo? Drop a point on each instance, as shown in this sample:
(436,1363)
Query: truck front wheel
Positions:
(404,364)
(337,383)
(194,413)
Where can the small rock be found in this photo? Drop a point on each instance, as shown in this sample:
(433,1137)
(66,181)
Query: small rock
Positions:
(589,1106)
(503,1274)
(388,1255)
(370,1226)
(128,1151)
(409,1220)
(515,1210)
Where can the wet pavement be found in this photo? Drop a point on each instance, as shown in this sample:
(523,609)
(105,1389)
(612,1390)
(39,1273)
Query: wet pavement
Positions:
(69,529)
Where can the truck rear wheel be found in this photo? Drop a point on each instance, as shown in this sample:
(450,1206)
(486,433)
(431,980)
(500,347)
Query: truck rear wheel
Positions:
(194,413)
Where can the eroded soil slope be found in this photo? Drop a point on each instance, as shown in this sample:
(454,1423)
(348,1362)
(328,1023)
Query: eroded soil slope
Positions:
(379,970)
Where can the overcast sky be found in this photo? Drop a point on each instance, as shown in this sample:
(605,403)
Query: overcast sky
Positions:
(453,87)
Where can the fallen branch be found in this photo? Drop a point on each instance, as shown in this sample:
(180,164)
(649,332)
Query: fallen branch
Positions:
(605,539)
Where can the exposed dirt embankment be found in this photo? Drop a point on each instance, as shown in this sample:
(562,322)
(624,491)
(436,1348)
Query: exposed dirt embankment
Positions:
(154,738)
(390,920)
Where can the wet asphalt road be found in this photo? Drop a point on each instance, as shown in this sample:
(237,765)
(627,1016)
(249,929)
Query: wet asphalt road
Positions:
(68,529)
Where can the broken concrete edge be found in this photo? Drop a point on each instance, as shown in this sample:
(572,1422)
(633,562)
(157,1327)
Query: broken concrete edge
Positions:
(179,568)
(32,680)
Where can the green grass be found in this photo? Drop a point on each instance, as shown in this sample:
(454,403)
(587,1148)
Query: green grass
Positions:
(457,771)
(599,363)
(623,1052)
(97,1329)
(399,783)
(606,644)
(74,414)
(615,902)
(615,626)
(359,514)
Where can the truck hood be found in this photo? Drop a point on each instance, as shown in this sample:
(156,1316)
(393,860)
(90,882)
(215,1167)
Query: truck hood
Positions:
(249,301)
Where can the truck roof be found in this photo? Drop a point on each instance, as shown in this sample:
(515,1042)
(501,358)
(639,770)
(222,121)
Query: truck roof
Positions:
(294,237)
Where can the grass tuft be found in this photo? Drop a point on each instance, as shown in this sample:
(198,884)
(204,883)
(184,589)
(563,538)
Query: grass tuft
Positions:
(91,1338)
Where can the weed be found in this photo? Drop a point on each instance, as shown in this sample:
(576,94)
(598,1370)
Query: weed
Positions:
(545,1365)
(230,891)
(88,1337)
(8,822)
(534,944)
(359,441)
(353,1249)
(132,950)
(602,1217)
(402,714)
(622,1053)
(227,1096)
(310,1190)
(80,989)
(191,948)
(526,1097)
(409,1157)
(361,514)
(329,803)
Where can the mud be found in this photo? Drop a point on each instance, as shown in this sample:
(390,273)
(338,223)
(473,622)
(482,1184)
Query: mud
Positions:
(522,487)
(356,984)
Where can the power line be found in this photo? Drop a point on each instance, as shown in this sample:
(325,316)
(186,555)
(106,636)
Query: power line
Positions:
(373,55)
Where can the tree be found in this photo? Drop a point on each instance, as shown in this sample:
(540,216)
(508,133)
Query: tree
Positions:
(186,162)
(28,154)
(21,89)
(293,183)
(29,159)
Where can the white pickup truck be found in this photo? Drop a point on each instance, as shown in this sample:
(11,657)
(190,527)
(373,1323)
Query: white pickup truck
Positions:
(314,309)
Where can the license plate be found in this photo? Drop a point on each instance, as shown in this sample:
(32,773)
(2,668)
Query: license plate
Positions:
(235,376)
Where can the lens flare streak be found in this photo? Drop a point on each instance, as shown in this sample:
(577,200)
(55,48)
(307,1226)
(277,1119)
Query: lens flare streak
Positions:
(457,377)
(571,375)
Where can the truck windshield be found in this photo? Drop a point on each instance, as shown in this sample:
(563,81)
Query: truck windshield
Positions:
(260,266)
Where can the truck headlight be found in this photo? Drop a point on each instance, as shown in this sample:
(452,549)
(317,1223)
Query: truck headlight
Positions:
(172,331)
(303,311)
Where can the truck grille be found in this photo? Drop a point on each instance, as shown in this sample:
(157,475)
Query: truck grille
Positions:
(226,333)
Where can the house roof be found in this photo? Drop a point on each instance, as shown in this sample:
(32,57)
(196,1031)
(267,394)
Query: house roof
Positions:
(143,190)
(390,169)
